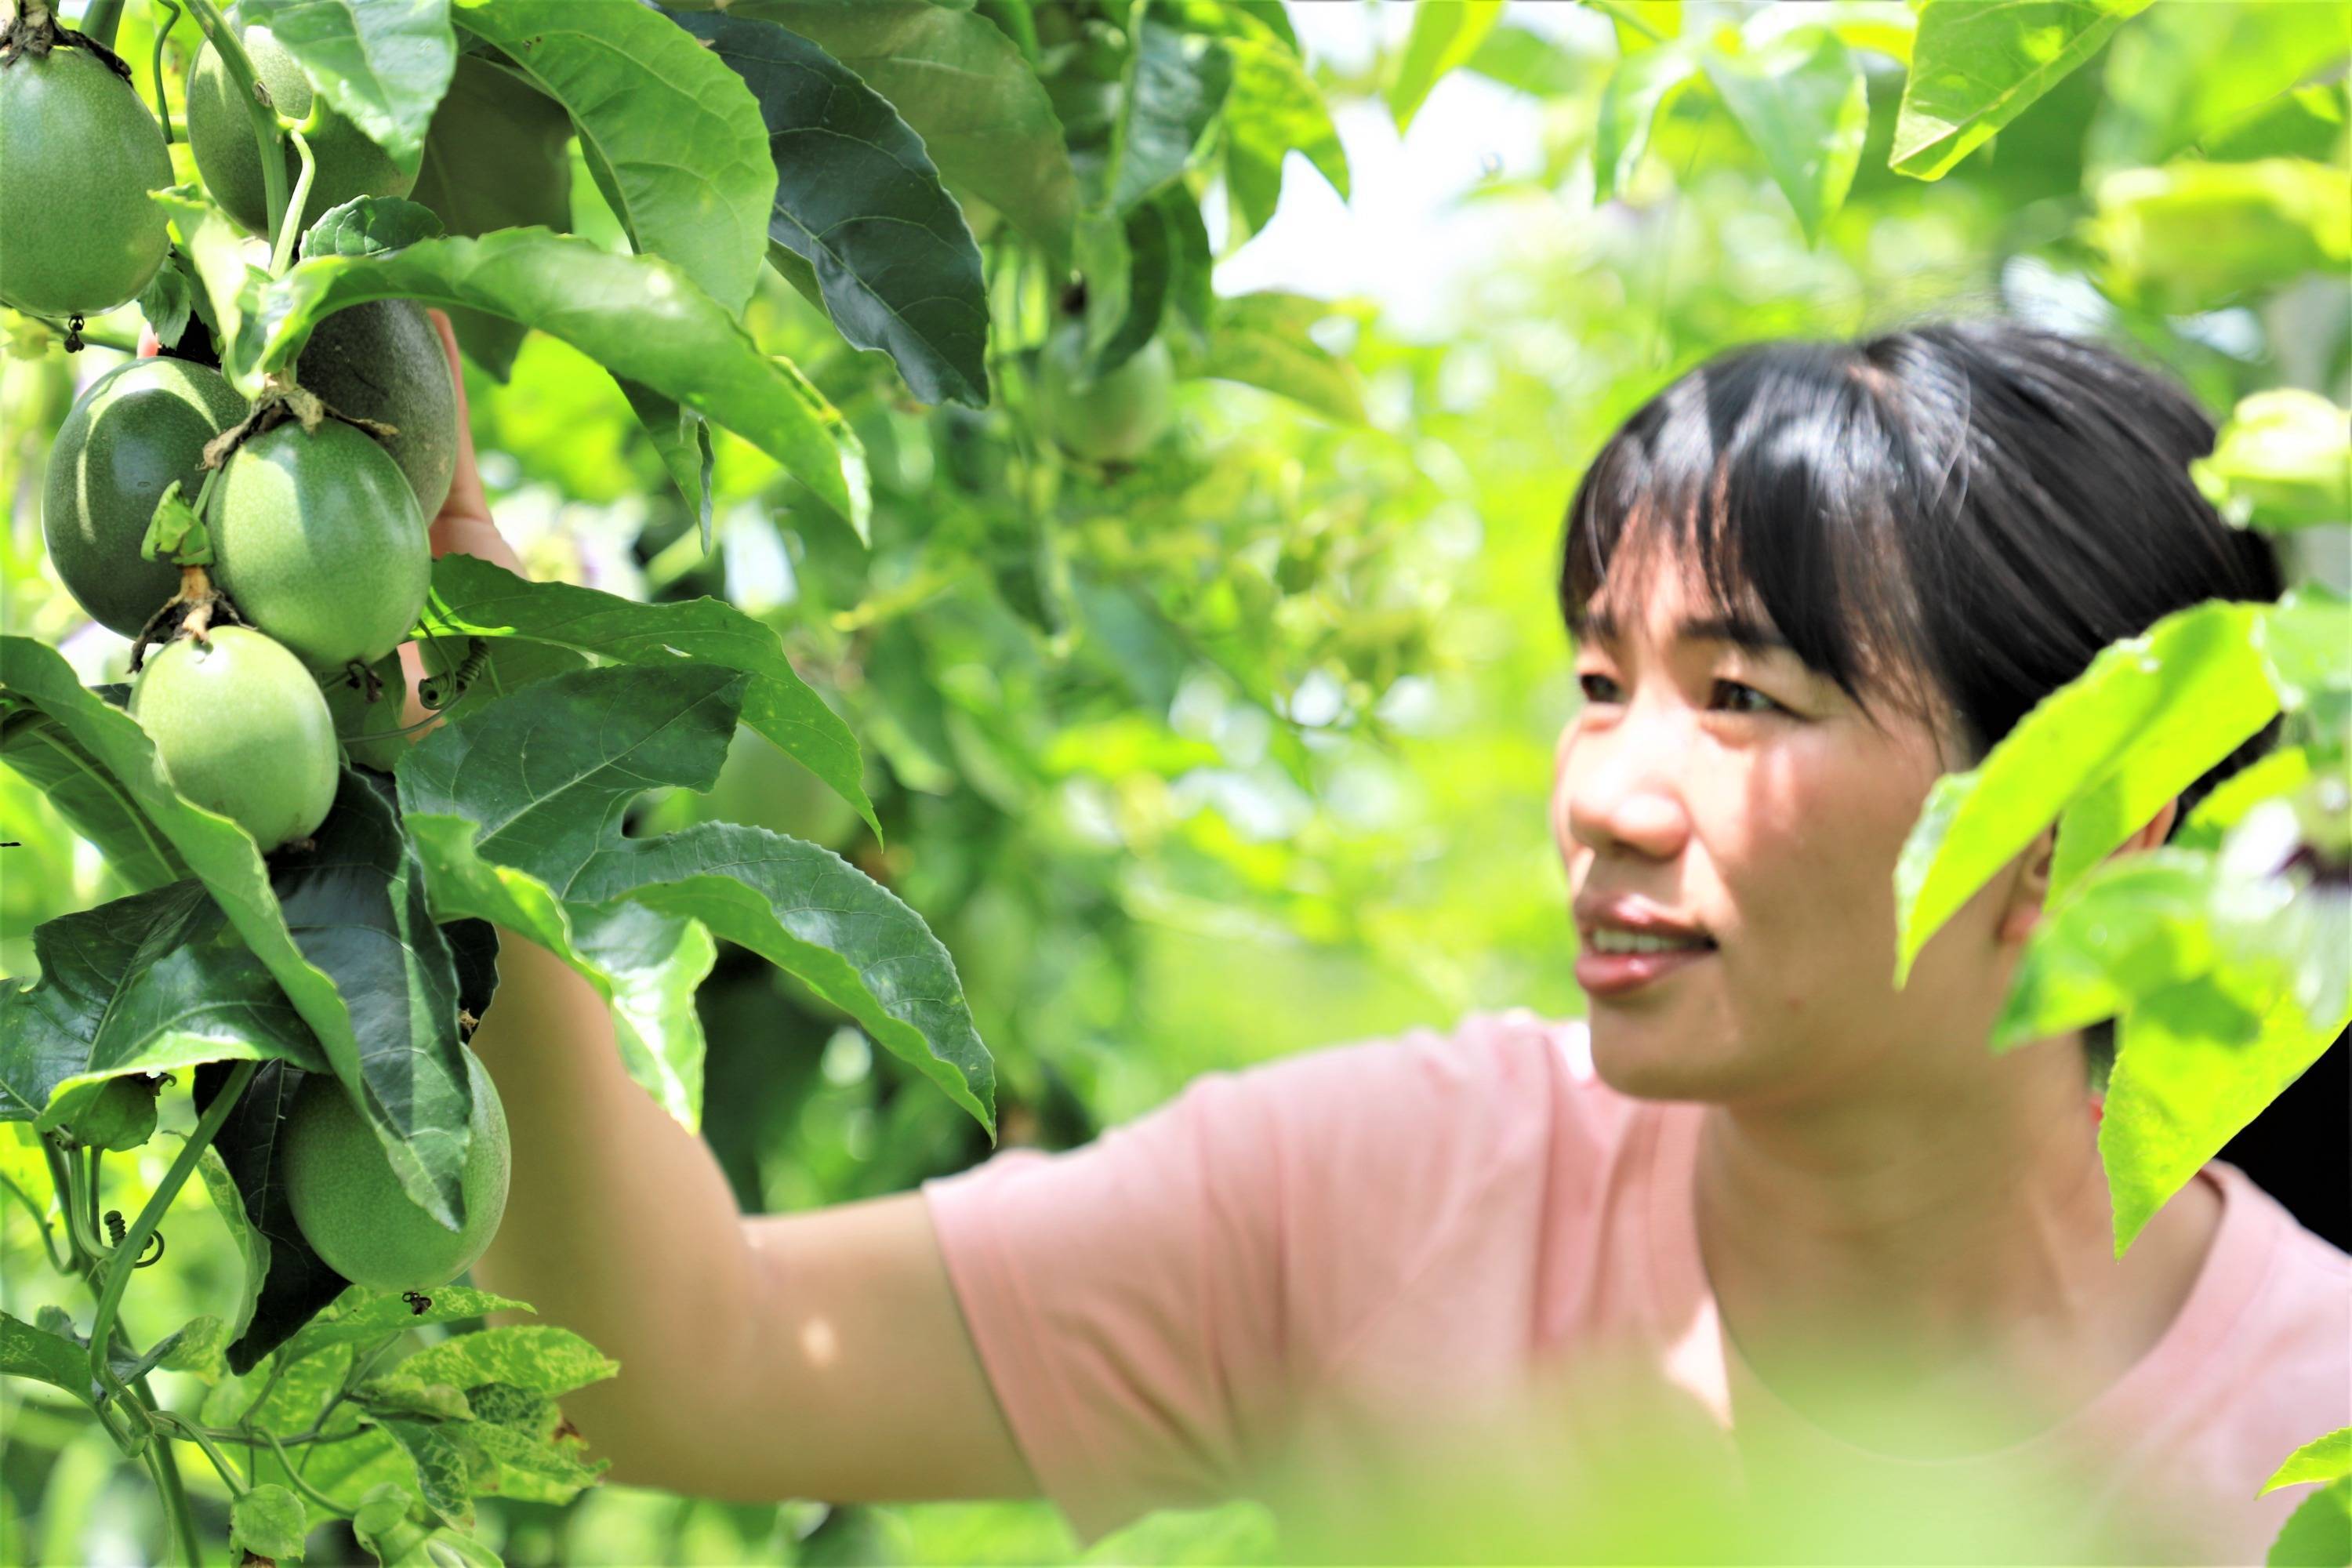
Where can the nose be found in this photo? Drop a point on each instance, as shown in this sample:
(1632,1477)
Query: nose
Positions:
(1616,788)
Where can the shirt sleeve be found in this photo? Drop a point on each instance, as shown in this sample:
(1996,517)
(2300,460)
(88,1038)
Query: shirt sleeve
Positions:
(1148,1307)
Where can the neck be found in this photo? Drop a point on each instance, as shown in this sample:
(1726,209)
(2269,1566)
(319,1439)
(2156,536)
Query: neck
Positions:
(1912,1239)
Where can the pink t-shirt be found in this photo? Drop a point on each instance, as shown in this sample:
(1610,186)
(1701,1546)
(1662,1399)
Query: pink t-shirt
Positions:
(1425,1296)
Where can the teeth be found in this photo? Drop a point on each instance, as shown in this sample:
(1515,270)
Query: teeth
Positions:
(1611,940)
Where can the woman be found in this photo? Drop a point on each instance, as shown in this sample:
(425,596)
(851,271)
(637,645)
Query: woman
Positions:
(1762,1227)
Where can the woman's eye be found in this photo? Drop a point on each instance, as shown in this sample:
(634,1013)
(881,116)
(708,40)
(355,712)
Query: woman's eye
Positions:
(1587,683)
(1740,690)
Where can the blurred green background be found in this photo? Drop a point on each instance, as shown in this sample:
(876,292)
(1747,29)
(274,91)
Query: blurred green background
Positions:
(1244,749)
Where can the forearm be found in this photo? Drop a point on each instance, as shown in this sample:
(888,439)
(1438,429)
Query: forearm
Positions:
(619,1224)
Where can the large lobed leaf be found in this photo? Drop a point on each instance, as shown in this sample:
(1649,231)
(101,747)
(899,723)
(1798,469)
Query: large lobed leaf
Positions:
(285,1282)
(541,778)
(859,200)
(381,64)
(638,316)
(80,789)
(1801,99)
(667,130)
(1442,37)
(1176,84)
(144,984)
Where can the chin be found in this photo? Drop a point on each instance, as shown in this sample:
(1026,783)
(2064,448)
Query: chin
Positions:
(1632,1058)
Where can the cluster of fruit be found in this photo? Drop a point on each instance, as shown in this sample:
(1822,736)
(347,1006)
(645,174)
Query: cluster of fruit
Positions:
(315,526)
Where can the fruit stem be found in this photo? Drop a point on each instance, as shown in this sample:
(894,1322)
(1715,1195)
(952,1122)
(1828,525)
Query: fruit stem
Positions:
(242,81)
(163,32)
(165,1467)
(237,1487)
(282,252)
(304,1487)
(98,20)
(119,1264)
(115,341)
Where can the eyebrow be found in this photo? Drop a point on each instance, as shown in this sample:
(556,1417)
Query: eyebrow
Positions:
(1745,633)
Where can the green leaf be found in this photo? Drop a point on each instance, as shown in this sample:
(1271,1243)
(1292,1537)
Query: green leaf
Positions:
(216,850)
(673,129)
(645,966)
(382,65)
(2183,74)
(2197,236)
(396,1395)
(1443,37)
(1528,62)
(443,1458)
(494,158)
(1976,67)
(196,1346)
(1150,252)
(268,1520)
(2318,1533)
(963,85)
(1274,108)
(356,906)
(637,315)
(371,225)
(2277,772)
(1630,105)
(2192,1068)
(361,1315)
(1176,82)
(232,285)
(2138,927)
(1261,338)
(594,740)
(285,1282)
(402,1533)
(532,1413)
(2321,1459)
(859,199)
(682,436)
(531,1469)
(45,1357)
(2282,460)
(175,531)
(1190,287)
(2149,715)
(539,1357)
(143,984)
(167,301)
(475,598)
(80,789)
(1805,111)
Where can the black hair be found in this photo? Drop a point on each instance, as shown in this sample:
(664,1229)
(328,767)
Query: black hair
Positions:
(1957,515)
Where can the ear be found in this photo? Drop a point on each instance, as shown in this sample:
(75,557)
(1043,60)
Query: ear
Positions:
(2022,912)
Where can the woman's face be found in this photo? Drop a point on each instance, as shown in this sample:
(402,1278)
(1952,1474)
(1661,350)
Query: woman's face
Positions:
(1736,791)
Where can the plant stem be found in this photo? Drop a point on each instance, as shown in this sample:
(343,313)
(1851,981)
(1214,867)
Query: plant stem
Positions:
(203,1439)
(98,20)
(67,1170)
(119,1263)
(242,82)
(282,251)
(165,1467)
(304,1487)
(163,31)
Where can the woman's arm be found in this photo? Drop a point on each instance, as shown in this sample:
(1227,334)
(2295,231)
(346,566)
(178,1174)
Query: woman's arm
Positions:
(816,1356)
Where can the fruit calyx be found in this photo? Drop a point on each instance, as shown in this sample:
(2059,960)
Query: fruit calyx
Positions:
(188,614)
(282,399)
(34,31)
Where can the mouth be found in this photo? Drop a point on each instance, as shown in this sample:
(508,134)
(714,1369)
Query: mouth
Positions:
(1605,969)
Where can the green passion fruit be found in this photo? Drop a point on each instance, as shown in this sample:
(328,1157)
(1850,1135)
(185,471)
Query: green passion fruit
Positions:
(220,132)
(316,537)
(1112,417)
(351,1208)
(138,428)
(240,728)
(78,153)
(382,360)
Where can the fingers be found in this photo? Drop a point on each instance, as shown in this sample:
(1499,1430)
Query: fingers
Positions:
(150,345)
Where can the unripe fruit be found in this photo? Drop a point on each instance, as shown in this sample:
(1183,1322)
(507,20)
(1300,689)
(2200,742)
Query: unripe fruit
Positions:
(220,132)
(382,360)
(352,1209)
(316,537)
(139,427)
(78,153)
(241,728)
(1113,417)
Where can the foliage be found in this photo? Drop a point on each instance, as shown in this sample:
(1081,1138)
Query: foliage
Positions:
(1086,758)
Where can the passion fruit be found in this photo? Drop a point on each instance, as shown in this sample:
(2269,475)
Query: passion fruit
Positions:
(220,132)
(138,428)
(78,153)
(316,537)
(382,360)
(1112,417)
(240,728)
(354,1213)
